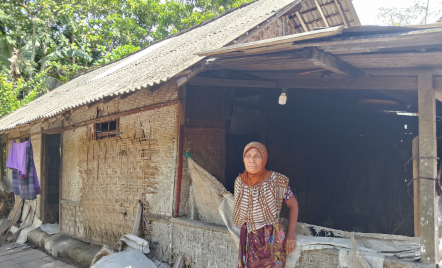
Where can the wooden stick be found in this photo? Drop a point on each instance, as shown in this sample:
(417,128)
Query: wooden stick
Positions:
(416,185)
(302,21)
(322,14)
(12,222)
(341,13)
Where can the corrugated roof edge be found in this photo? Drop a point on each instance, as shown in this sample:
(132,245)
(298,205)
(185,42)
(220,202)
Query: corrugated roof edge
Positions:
(170,36)
(154,83)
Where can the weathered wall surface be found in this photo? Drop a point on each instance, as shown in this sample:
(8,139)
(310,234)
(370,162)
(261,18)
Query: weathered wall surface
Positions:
(103,180)
(203,245)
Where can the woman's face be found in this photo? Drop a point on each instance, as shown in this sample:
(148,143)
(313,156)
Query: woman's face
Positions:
(253,160)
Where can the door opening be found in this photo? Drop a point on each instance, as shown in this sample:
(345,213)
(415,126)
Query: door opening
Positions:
(52,193)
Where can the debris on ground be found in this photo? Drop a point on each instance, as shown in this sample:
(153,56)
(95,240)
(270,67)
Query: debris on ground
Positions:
(132,258)
(6,203)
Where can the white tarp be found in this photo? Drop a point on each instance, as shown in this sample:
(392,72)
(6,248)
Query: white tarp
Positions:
(132,258)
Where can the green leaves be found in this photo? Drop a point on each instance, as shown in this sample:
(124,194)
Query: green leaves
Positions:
(5,52)
(68,53)
(56,39)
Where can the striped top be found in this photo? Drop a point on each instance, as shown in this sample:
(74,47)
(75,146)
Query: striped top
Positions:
(259,205)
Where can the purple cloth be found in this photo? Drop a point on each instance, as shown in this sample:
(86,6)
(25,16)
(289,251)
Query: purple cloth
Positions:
(24,175)
(17,158)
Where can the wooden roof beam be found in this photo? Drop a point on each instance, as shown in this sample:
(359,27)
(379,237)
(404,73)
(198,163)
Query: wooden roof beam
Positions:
(359,83)
(301,20)
(224,82)
(328,61)
(318,6)
(338,6)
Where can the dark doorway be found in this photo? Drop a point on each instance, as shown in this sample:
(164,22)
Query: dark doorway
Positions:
(52,189)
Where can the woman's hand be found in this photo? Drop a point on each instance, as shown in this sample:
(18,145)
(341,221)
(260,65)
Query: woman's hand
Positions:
(290,243)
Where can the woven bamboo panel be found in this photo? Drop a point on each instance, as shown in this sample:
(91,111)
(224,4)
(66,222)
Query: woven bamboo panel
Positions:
(113,174)
(204,248)
(281,27)
(139,99)
(73,141)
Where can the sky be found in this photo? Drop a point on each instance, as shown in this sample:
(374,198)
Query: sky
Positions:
(368,9)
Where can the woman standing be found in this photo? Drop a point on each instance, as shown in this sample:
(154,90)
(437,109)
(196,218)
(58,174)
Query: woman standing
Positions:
(259,194)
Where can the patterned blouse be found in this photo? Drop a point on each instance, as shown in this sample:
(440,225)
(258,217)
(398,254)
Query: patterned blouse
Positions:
(260,205)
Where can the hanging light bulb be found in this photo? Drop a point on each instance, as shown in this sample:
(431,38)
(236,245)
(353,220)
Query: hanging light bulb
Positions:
(283,98)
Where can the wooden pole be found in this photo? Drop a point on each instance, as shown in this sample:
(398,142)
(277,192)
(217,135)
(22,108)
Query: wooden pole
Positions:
(416,185)
(301,20)
(338,6)
(322,14)
(182,122)
(428,170)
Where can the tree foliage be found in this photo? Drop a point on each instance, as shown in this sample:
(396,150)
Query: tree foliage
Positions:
(415,14)
(55,40)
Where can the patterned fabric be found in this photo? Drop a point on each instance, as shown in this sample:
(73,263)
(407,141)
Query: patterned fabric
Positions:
(30,187)
(259,205)
(24,180)
(263,248)
(289,194)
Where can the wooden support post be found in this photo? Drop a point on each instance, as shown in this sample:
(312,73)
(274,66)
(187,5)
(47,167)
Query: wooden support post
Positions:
(181,124)
(416,185)
(318,6)
(301,20)
(428,170)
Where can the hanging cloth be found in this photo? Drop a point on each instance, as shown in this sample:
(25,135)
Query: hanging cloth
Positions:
(24,175)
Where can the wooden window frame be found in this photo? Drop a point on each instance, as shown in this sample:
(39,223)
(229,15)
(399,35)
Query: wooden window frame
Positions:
(99,134)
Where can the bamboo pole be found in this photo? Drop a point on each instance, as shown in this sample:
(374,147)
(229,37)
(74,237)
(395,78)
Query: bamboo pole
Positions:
(302,21)
(338,6)
(322,13)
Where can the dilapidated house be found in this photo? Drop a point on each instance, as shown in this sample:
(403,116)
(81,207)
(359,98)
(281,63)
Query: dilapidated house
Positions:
(357,96)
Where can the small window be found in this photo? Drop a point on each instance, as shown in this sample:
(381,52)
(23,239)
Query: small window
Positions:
(107,129)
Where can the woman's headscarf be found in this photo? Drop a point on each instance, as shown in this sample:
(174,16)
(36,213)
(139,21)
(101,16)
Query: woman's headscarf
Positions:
(256,178)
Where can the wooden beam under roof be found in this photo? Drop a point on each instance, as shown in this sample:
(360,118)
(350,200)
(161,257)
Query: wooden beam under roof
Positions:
(359,83)
(327,61)
(224,82)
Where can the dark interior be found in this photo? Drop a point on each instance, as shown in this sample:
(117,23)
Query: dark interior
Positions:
(106,129)
(53,176)
(346,156)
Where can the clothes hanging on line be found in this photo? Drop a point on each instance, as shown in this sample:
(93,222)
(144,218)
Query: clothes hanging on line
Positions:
(24,175)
